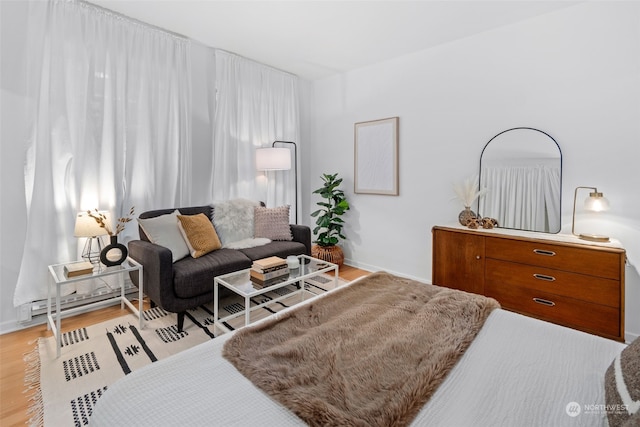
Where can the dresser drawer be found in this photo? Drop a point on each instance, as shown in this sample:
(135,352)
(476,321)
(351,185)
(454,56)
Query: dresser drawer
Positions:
(586,316)
(589,261)
(577,286)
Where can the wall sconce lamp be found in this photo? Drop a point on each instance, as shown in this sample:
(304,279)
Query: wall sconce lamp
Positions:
(594,203)
(87,226)
(277,158)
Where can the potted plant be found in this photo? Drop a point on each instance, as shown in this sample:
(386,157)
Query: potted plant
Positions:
(328,220)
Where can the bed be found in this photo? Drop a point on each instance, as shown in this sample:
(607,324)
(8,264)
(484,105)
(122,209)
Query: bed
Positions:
(517,370)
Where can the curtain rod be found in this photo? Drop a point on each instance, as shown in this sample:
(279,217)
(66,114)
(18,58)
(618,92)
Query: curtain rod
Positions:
(119,15)
(123,17)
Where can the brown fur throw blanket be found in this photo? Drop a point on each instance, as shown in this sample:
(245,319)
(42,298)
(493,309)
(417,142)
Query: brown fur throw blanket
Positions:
(369,354)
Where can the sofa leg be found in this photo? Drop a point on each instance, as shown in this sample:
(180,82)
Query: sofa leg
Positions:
(180,321)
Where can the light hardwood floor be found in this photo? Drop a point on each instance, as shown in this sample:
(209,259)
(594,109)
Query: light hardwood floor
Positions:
(13,346)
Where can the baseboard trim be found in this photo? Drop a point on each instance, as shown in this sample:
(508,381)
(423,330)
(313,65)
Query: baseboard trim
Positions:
(13,325)
(630,337)
(374,268)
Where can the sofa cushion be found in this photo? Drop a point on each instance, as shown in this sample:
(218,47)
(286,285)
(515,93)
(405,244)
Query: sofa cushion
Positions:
(233,220)
(194,276)
(163,230)
(277,248)
(272,223)
(199,234)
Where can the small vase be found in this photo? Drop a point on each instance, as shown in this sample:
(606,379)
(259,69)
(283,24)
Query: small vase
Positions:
(114,253)
(466,215)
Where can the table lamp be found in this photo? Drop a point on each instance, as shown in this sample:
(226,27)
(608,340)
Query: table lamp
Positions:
(86,226)
(596,202)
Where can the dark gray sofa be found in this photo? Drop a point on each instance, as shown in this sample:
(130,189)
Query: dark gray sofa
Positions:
(188,283)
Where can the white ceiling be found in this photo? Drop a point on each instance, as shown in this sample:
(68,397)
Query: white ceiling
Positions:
(314,39)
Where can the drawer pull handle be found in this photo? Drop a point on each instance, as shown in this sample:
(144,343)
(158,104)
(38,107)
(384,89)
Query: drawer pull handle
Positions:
(544,277)
(544,302)
(544,252)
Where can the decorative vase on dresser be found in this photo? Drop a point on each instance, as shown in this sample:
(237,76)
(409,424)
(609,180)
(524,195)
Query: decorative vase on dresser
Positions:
(573,284)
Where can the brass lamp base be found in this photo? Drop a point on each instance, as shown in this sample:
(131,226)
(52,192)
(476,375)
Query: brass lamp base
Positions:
(594,237)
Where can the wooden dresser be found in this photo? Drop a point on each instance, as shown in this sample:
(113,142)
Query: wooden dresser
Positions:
(572,284)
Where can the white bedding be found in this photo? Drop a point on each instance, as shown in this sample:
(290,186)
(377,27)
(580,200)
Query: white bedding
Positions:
(518,371)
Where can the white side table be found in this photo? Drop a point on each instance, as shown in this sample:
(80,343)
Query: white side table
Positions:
(58,278)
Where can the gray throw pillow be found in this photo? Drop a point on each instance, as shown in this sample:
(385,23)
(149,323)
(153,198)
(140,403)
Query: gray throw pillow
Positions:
(272,223)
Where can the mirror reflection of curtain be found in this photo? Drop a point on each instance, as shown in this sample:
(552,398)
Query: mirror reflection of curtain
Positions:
(522,197)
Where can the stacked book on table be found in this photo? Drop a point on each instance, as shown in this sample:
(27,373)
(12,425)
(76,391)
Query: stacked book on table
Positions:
(270,270)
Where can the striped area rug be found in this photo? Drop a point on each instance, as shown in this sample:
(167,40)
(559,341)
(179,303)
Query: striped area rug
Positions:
(65,390)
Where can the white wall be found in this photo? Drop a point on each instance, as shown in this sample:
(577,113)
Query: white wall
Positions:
(574,73)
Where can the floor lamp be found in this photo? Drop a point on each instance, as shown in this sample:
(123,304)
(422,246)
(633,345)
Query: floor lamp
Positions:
(277,158)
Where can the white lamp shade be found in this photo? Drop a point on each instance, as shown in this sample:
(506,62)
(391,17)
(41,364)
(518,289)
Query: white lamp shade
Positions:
(596,203)
(87,226)
(273,159)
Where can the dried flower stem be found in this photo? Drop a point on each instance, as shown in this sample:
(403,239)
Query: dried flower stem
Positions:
(101,219)
(467,191)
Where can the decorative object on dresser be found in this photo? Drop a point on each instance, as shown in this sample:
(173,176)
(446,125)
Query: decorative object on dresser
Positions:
(276,159)
(577,285)
(328,220)
(467,192)
(594,203)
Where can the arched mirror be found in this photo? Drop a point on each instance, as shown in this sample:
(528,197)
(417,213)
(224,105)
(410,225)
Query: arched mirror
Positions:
(521,168)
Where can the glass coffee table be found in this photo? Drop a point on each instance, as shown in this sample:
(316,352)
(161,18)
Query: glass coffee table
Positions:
(240,283)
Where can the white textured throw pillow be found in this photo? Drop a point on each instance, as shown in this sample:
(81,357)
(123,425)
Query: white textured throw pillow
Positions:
(272,223)
(233,220)
(163,230)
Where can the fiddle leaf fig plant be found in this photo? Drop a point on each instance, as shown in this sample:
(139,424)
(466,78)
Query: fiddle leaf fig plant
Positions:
(328,222)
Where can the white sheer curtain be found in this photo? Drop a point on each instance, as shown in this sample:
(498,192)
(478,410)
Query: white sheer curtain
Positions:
(110,108)
(255,106)
(523,197)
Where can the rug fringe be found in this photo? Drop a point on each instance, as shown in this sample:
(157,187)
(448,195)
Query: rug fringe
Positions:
(32,385)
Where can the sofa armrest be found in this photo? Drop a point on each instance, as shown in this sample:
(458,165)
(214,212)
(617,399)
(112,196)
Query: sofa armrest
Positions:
(302,234)
(157,268)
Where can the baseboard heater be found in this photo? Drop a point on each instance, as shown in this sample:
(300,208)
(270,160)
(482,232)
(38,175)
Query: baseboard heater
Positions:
(102,292)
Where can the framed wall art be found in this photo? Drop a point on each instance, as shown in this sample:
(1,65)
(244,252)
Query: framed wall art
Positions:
(376,157)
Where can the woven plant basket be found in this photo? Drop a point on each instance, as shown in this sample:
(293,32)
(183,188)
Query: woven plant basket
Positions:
(332,254)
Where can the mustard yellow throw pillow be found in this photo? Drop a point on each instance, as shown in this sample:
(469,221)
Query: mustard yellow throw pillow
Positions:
(199,234)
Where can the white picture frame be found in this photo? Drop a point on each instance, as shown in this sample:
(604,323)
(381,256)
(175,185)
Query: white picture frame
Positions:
(376,157)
